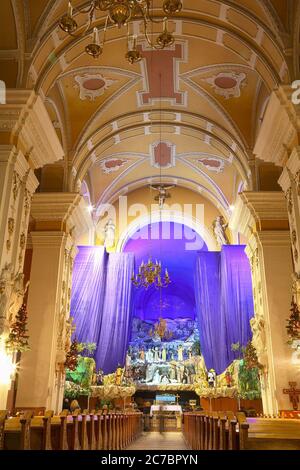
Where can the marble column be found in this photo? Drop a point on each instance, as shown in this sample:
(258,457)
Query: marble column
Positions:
(57,219)
(262,218)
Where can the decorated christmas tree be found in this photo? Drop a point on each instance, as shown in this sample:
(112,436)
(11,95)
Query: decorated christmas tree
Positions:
(250,357)
(18,338)
(293,323)
(72,356)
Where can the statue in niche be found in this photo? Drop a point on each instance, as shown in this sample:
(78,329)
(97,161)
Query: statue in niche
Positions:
(109,234)
(259,338)
(17,296)
(219,228)
(5,294)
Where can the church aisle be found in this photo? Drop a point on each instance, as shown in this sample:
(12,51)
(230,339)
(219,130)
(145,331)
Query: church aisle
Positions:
(159,441)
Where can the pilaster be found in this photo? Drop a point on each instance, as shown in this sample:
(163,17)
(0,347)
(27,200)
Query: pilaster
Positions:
(262,217)
(53,238)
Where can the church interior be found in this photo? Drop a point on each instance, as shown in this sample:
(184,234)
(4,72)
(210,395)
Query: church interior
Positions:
(149,225)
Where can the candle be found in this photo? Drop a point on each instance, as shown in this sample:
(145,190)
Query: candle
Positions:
(70,10)
(95,36)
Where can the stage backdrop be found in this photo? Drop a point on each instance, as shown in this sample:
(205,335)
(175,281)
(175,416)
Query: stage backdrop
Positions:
(101,303)
(224,304)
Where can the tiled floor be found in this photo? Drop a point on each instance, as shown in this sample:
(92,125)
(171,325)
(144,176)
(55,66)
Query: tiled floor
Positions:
(159,441)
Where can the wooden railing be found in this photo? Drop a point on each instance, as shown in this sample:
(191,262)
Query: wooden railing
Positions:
(226,431)
(77,431)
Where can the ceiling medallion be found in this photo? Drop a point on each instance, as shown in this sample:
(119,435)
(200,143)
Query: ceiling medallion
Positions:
(227,84)
(111,165)
(212,164)
(121,13)
(92,85)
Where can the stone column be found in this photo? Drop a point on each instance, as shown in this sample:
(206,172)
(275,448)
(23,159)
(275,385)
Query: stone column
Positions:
(59,221)
(28,141)
(262,218)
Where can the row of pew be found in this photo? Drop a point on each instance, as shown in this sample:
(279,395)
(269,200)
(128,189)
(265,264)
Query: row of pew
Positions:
(76,431)
(227,431)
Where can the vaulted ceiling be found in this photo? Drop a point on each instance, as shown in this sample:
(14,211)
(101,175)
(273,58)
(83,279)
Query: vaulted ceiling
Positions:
(188,114)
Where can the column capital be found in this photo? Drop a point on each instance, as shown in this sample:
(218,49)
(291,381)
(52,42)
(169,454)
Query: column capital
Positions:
(259,211)
(48,239)
(280,127)
(65,212)
(24,122)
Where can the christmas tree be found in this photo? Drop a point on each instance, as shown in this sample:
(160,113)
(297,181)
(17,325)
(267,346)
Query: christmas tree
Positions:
(72,356)
(250,357)
(18,338)
(293,323)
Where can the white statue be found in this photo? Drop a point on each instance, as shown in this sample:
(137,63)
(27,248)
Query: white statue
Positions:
(109,232)
(17,295)
(259,338)
(219,230)
(180,353)
(69,330)
(5,294)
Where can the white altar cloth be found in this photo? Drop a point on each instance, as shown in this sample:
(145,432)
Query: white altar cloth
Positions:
(176,408)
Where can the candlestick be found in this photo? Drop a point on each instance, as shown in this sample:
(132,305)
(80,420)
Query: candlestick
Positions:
(70,10)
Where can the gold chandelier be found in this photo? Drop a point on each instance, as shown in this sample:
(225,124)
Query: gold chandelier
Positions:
(120,13)
(150,274)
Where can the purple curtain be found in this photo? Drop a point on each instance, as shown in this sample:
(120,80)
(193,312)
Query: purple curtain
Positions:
(101,303)
(224,304)
(117,313)
(88,291)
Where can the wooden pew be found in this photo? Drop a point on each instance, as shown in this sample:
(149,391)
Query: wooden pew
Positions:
(17,433)
(271,434)
(72,431)
(3,417)
(90,430)
(59,439)
(40,433)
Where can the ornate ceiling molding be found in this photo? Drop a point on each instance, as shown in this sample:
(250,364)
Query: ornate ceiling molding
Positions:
(227,84)
(29,127)
(91,86)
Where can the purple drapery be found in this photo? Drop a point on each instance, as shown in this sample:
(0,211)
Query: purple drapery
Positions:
(117,313)
(224,303)
(88,291)
(101,303)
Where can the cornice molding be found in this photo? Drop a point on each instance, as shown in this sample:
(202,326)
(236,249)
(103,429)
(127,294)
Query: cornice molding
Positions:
(27,124)
(70,209)
(254,210)
(279,130)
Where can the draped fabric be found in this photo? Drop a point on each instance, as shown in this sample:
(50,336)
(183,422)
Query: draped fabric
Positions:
(101,303)
(224,304)
(207,295)
(117,313)
(88,292)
